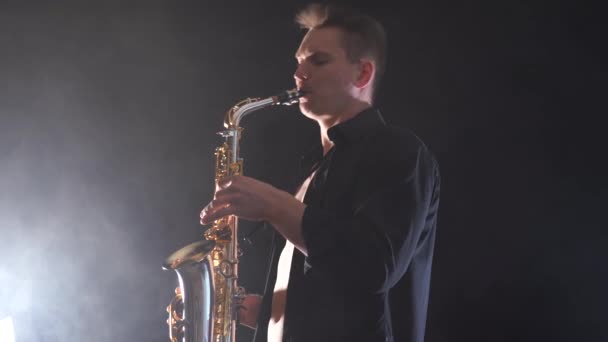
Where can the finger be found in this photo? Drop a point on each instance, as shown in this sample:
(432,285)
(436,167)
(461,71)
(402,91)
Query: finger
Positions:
(226,206)
(219,203)
(217,214)
(225,191)
(210,215)
(225,182)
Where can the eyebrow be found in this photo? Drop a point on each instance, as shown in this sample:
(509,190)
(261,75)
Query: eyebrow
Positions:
(316,53)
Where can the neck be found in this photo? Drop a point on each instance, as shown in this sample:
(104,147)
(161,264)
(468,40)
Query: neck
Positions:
(327,122)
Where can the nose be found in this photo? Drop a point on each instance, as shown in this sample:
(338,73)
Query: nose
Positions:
(300,74)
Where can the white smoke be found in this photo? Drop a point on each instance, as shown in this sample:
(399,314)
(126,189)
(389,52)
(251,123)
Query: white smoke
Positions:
(84,176)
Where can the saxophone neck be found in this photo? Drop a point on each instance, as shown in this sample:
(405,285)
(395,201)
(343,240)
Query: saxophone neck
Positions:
(234,115)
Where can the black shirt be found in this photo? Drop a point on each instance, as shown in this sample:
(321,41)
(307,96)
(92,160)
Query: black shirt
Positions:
(369,228)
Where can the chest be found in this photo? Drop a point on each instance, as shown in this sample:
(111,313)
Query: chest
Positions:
(348,177)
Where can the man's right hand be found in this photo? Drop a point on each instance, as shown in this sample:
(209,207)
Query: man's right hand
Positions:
(248,310)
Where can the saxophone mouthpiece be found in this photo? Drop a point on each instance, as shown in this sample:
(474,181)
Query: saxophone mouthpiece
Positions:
(288,97)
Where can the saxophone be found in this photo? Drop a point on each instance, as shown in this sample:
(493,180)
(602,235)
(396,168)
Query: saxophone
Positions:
(206,305)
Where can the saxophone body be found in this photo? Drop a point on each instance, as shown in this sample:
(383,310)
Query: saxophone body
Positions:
(206,306)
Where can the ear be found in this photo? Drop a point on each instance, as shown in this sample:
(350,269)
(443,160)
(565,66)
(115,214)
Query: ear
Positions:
(366,73)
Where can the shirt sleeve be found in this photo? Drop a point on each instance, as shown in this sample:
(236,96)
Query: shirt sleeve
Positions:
(373,247)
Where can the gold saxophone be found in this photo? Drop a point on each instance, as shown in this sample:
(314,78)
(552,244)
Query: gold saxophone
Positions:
(205,309)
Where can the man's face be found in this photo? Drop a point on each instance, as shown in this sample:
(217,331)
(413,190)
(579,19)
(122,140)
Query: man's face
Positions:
(324,73)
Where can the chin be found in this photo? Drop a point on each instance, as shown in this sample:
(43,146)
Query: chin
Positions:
(307,110)
(304,107)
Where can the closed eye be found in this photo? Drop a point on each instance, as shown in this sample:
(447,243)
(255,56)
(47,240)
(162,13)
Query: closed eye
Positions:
(317,58)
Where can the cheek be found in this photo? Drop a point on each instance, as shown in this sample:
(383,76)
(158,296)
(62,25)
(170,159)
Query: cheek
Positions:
(333,82)
(341,78)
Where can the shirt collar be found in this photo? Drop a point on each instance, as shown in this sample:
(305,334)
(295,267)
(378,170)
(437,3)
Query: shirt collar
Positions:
(361,126)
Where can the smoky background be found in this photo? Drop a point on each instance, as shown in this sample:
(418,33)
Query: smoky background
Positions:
(109,114)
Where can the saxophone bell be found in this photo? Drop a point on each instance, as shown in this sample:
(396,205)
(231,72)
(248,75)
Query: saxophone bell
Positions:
(190,311)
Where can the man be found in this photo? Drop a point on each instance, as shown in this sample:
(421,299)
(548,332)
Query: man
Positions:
(354,245)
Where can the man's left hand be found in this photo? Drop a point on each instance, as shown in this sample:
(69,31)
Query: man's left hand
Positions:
(253,200)
(244,197)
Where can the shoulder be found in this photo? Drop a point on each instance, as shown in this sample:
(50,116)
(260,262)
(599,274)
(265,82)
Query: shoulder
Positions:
(395,145)
(395,160)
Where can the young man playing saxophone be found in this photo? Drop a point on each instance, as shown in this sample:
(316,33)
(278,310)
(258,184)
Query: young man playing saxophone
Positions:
(354,245)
